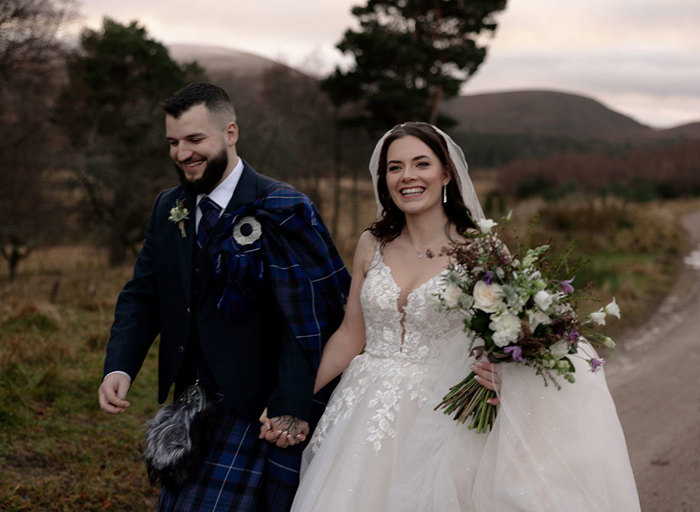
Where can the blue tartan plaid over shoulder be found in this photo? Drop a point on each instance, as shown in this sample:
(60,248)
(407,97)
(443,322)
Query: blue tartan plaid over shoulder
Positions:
(281,237)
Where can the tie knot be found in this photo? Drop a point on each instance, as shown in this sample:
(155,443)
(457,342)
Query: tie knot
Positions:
(207,205)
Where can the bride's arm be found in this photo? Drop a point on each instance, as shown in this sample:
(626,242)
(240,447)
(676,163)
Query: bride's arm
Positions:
(349,339)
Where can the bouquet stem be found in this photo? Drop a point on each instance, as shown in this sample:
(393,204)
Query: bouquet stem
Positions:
(469,398)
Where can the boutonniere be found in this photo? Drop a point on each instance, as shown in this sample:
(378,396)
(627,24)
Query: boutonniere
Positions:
(247,230)
(179,214)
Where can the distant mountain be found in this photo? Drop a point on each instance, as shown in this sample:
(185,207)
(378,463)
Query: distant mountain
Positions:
(229,67)
(216,59)
(530,113)
(543,113)
(686,131)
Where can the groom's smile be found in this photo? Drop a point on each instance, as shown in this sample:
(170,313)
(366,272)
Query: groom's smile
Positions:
(201,148)
(193,167)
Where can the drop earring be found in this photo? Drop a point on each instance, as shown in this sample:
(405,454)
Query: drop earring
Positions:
(444,194)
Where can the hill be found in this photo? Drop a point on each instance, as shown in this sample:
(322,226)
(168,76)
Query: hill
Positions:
(544,113)
(217,59)
(229,68)
(685,131)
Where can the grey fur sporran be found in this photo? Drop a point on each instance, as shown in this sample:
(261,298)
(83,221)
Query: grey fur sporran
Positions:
(178,437)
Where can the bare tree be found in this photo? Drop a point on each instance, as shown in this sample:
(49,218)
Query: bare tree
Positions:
(30,74)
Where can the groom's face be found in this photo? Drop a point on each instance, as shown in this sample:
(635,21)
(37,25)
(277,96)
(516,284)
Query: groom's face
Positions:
(200,147)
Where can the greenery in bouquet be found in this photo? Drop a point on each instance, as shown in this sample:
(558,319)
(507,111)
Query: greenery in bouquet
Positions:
(516,308)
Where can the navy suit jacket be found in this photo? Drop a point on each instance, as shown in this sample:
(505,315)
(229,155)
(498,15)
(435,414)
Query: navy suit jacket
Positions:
(255,361)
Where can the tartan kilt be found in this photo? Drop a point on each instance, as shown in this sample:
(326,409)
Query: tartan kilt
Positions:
(241,473)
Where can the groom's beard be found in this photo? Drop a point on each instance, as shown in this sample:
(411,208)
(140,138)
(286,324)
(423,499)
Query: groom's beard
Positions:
(216,167)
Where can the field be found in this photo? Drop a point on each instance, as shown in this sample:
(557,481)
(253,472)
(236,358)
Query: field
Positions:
(58,451)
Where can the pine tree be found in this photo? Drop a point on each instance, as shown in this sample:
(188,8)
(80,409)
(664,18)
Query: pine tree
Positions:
(409,55)
(111,112)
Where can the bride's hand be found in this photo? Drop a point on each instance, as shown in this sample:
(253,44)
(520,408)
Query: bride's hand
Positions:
(489,376)
(283,431)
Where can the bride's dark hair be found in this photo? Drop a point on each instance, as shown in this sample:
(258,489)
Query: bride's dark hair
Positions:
(393,220)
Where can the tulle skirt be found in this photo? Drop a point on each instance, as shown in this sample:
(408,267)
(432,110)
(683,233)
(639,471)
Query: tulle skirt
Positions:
(550,449)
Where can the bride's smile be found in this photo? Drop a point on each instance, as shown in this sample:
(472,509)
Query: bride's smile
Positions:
(414,175)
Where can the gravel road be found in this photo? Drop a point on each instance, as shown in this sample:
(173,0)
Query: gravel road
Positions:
(654,377)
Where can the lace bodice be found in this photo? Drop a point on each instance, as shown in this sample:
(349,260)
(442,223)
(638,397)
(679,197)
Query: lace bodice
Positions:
(397,364)
(413,334)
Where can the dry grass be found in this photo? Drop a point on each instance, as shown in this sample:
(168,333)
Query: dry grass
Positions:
(628,250)
(57,450)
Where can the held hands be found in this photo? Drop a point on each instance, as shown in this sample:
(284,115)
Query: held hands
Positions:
(283,430)
(489,376)
(112,393)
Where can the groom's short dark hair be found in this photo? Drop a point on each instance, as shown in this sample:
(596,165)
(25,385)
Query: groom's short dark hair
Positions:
(212,96)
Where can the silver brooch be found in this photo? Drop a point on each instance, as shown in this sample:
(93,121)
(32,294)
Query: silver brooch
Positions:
(247,230)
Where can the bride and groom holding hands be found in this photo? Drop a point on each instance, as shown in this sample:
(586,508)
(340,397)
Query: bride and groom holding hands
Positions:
(253,304)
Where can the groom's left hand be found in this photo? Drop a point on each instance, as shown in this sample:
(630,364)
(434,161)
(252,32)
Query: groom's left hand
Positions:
(284,431)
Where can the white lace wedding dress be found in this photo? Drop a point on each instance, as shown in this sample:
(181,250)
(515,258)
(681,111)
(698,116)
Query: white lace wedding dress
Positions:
(380,446)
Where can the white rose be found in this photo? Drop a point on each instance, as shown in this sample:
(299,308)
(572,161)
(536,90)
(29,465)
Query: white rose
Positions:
(451,296)
(506,327)
(486,225)
(487,297)
(543,300)
(559,349)
(613,309)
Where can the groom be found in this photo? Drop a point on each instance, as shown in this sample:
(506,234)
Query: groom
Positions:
(241,280)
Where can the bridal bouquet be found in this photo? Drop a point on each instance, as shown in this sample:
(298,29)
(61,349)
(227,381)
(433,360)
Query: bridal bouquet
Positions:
(514,311)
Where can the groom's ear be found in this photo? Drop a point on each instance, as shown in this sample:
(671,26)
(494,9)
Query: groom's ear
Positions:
(231,134)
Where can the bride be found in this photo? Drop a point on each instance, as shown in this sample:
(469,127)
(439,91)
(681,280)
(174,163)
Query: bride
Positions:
(380,446)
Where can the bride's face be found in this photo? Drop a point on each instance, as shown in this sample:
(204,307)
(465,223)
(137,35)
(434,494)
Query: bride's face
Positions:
(414,176)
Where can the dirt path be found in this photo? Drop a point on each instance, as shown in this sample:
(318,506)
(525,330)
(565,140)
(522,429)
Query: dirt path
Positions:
(654,377)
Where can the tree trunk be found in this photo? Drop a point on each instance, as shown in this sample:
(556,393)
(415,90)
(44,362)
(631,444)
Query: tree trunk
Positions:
(438,92)
(355,202)
(116,246)
(14,252)
(337,177)
(435,105)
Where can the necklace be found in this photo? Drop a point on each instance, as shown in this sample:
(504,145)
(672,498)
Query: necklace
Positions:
(426,251)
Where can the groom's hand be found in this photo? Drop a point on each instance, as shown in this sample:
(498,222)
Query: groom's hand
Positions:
(112,393)
(283,430)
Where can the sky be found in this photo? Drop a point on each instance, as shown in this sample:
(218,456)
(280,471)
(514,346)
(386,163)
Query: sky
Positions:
(638,57)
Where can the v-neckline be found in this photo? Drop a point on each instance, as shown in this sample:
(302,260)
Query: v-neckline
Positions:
(402,310)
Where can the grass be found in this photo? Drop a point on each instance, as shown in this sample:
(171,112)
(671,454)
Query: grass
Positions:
(58,451)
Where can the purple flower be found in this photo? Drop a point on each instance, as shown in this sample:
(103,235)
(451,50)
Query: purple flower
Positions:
(573,337)
(515,352)
(595,363)
(488,277)
(566,285)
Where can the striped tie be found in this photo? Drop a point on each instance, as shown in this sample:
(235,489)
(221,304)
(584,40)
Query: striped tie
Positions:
(210,214)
